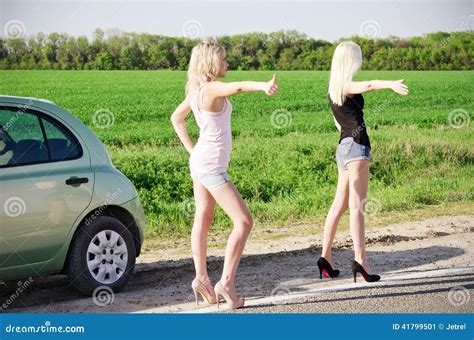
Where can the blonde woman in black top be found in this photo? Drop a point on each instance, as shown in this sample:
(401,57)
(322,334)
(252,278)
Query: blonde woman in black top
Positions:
(352,155)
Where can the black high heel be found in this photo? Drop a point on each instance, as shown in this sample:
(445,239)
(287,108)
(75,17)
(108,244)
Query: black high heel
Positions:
(326,269)
(357,268)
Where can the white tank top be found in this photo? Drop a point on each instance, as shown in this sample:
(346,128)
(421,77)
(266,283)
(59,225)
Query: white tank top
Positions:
(211,154)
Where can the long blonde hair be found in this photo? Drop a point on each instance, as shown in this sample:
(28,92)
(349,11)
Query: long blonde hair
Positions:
(346,61)
(204,64)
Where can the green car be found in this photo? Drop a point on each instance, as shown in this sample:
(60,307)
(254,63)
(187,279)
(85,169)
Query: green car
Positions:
(64,207)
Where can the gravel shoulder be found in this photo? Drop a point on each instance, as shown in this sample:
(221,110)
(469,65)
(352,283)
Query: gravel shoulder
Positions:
(422,249)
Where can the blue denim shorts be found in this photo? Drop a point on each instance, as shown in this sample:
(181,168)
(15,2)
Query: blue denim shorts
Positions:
(348,150)
(210,180)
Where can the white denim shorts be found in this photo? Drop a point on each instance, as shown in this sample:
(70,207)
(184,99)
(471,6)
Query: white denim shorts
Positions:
(210,180)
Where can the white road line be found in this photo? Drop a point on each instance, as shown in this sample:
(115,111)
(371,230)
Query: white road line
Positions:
(281,299)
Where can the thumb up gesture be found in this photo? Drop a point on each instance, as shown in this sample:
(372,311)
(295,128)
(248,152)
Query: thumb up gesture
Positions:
(271,86)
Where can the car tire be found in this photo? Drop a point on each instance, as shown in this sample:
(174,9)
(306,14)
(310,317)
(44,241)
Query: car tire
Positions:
(84,255)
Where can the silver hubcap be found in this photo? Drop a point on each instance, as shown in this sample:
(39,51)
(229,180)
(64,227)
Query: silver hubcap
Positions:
(107,256)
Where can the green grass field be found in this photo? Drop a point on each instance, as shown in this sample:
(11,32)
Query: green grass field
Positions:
(286,173)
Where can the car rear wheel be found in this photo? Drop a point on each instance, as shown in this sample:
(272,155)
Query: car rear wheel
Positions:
(101,254)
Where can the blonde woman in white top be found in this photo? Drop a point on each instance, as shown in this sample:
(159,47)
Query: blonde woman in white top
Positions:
(207,98)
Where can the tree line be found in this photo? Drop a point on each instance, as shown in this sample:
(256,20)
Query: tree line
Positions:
(282,50)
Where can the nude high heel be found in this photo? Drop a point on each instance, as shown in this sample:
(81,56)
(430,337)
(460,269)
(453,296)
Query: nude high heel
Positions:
(199,287)
(221,291)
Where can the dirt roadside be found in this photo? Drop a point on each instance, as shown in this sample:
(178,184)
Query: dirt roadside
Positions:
(163,282)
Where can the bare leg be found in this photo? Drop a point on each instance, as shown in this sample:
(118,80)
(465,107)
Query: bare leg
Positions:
(228,197)
(358,187)
(340,204)
(203,218)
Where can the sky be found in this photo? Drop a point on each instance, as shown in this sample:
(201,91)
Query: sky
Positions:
(328,20)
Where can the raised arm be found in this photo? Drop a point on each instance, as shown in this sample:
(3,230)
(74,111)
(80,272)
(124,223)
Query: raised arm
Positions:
(220,89)
(397,86)
(177,119)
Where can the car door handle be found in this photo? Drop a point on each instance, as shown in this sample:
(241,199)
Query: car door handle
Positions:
(76,180)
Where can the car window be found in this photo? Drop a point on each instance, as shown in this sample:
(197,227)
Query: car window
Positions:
(21,139)
(29,137)
(62,145)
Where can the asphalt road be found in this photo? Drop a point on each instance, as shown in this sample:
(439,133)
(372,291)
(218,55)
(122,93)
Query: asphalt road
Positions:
(433,291)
